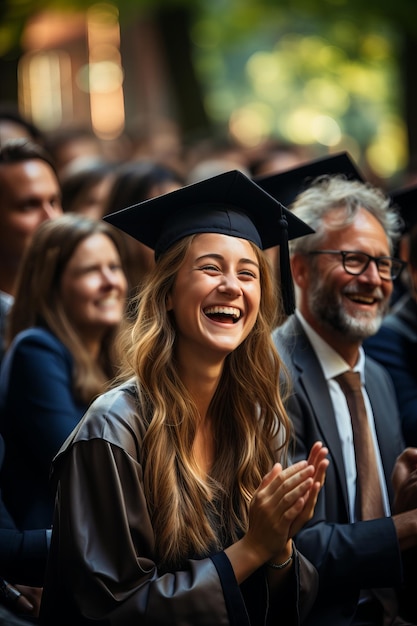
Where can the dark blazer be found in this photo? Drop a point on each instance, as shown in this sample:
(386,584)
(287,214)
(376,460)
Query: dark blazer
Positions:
(395,347)
(4,312)
(22,554)
(37,413)
(348,556)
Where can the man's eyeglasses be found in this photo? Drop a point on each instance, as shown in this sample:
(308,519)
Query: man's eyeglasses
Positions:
(356,263)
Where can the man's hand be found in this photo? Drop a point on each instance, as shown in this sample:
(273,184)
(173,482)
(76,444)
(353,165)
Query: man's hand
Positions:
(31,597)
(20,599)
(404,481)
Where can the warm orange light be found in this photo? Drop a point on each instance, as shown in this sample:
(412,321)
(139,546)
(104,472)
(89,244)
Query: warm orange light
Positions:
(51,29)
(45,94)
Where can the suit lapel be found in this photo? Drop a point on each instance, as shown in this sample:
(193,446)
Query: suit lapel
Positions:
(314,385)
(385,414)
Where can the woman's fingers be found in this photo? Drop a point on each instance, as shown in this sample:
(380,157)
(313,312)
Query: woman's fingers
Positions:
(274,509)
(285,488)
(310,501)
(317,453)
(285,500)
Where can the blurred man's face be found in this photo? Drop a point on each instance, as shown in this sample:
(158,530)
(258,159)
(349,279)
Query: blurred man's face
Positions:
(29,195)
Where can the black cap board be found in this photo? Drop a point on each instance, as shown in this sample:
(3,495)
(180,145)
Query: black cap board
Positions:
(405,199)
(230,204)
(286,185)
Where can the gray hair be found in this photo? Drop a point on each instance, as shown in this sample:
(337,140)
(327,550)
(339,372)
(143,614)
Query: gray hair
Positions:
(328,193)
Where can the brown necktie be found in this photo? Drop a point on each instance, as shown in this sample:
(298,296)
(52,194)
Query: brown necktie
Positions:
(370,496)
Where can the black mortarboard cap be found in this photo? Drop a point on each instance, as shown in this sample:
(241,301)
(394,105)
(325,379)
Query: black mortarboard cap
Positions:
(285,186)
(230,204)
(405,199)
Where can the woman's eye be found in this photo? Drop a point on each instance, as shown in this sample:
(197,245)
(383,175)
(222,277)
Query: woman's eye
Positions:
(247,273)
(210,268)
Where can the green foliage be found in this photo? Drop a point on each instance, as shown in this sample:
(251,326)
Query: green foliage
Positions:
(302,70)
(303,77)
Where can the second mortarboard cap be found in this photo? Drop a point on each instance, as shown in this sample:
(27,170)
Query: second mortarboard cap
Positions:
(230,204)
(288,184)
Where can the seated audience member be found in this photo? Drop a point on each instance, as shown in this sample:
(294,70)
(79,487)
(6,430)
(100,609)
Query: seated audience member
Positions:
(69,305)
(134,182)
(274,156)
(395,344)
(160,141)
(221,149)
(23,557)
(293,181)
(13,125)
(72,145)
(85,188)
(29,195)
(344,273)
(210,156)
(181,510)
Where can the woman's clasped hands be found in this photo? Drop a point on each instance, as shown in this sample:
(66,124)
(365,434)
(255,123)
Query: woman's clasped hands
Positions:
(283,503)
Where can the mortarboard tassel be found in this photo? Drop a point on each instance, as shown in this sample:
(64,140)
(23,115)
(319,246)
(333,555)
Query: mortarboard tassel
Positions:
(287,285)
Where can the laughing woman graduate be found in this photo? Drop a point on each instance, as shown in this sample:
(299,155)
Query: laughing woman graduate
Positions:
(175,504)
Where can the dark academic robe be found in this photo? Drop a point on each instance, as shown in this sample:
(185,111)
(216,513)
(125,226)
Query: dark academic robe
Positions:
(102,567)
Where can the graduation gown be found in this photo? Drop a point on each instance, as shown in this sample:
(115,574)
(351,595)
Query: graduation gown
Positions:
(102,567)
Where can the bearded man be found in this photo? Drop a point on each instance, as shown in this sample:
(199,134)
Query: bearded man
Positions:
(344,276)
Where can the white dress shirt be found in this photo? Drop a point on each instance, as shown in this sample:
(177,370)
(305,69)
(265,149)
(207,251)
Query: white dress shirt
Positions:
(332,365)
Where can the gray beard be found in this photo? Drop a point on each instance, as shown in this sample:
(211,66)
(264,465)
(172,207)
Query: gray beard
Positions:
(327,307)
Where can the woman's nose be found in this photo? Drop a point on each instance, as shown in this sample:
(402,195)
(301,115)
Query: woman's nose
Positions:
(230,284)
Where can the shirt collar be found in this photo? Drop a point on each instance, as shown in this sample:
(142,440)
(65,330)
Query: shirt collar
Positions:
(331,362)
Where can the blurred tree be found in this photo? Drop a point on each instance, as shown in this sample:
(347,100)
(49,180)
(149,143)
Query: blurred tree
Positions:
(174,26)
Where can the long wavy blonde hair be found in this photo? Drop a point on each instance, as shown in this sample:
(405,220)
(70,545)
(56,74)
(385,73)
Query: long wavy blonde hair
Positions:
(247,412)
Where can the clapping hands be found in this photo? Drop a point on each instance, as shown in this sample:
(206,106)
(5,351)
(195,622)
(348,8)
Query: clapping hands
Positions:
(285,501)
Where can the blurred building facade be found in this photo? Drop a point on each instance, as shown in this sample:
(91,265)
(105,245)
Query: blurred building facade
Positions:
(71,71)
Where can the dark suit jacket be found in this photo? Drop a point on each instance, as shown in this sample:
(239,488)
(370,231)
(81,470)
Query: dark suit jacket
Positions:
(37,413)
(395,347)
(348,556)
(4,312)
(22,554)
